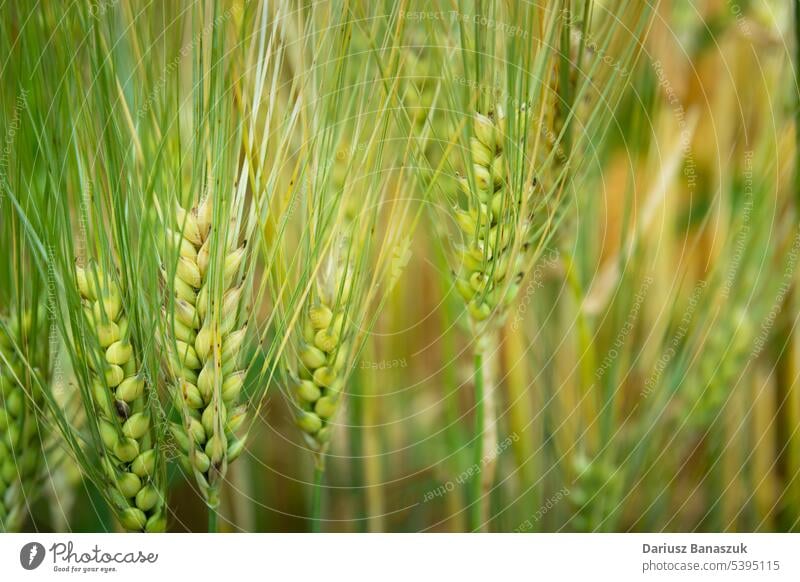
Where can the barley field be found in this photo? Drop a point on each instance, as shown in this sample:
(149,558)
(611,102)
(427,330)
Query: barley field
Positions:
(399,266)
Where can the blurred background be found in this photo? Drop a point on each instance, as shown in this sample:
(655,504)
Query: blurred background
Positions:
(646,378)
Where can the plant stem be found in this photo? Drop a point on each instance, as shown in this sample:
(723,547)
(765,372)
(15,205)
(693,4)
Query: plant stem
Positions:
(316,498)
(371,460)
(527,448)
(455,432)
(357,413)
(212,520)
(475,488)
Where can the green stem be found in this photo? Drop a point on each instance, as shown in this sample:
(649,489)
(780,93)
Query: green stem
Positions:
(316,498)
(358,413)
(475,502)
(212,520)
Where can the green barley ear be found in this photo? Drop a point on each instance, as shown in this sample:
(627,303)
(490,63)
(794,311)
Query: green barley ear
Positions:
(593,483)
(726,345)
(512,129)
(520,135)
(495,242)
(21,401)
(241,142)
(324,350)
(128,440)
(83,199)
(208,331)
(25,359)
(335,316)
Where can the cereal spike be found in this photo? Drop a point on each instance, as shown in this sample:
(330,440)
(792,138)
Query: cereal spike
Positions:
(127,437)
(205,351)
(317,393)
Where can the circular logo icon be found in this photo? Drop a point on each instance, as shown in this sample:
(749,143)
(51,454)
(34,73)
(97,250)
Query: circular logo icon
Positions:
(31,555)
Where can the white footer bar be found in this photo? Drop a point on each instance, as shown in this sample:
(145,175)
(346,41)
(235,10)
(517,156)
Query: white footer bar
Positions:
(401,557)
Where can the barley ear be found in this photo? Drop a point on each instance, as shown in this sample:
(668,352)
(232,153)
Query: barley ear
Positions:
(21,454)
(204,350)
(127,436)
(324,351)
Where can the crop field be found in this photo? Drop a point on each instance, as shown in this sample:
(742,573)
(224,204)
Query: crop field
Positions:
(399,266)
